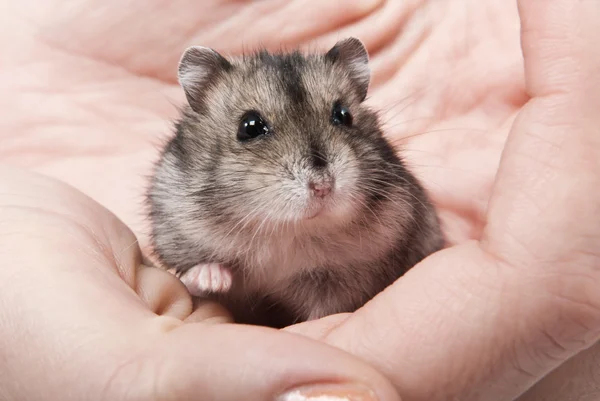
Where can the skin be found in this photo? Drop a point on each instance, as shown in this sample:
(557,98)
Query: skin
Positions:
(513,299)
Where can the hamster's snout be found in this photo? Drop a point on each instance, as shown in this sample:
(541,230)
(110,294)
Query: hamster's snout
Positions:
(327,189)
(321,187)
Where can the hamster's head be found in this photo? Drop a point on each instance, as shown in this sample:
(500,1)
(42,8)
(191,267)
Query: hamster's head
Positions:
(281,138)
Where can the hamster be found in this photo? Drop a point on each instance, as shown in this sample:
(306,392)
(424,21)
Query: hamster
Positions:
(279,196)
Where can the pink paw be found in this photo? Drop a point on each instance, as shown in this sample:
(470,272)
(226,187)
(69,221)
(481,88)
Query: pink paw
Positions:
(207,278)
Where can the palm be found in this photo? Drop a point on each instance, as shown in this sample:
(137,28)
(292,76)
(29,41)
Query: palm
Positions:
(453,105)
(112,91)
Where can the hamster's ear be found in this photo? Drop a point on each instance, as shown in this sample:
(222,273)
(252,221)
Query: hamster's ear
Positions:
(198,67)
(353,55)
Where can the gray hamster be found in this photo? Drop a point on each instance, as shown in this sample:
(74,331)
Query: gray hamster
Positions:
(278,195)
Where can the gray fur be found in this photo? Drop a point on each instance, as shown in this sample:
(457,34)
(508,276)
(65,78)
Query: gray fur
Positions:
(215,199)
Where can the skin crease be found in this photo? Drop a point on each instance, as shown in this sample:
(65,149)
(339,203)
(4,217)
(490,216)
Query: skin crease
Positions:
(450,84)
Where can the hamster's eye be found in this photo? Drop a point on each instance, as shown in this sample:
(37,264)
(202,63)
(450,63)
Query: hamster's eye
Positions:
(251,126)
(341,115)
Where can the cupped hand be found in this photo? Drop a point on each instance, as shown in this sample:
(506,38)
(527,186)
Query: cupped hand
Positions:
(82,319)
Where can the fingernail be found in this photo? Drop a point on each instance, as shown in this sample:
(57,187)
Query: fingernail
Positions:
(336,392)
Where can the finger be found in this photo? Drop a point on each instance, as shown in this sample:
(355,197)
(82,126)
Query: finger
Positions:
(209,312)
(162,292)
(64,296)
(234,362)
(548,180)
(543,216)
(159,290)
(166,295)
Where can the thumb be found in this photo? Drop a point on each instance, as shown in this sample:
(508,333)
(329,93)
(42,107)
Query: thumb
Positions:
(542,217)
(235,362)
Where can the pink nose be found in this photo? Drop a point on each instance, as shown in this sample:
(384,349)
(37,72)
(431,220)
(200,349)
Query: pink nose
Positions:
(321,189)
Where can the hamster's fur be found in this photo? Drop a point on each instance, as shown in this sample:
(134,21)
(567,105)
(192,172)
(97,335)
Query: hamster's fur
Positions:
(247,204)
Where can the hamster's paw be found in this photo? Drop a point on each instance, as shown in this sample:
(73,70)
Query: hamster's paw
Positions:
(207,278)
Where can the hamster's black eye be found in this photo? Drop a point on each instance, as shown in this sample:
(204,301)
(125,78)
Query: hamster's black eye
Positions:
(341,115)
(251,126)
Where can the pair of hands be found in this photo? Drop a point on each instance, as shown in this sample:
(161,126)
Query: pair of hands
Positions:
(87,91)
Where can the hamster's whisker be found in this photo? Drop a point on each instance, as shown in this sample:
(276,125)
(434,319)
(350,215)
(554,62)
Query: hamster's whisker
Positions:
(251,217)
(388,196)
(374,184)
(385,193)
(278,222)
(264,220)
(258,229)
(433,131)
(364,215)
(369,208)
(389,127)
(402,189)
(389,172)
(247,217)
(227,237)
(247,251)
(409,100)
(365,206)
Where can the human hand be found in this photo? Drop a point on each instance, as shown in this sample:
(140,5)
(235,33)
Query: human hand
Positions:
(486,319)
(81,319)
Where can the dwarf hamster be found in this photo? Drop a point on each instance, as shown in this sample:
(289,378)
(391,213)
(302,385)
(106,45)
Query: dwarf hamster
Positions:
(278,196)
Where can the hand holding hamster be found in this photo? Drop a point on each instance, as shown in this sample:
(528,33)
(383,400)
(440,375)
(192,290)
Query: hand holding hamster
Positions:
(82,320)
(279,195)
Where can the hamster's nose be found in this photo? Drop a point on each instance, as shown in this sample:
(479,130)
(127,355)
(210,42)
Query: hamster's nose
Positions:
(320,188)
